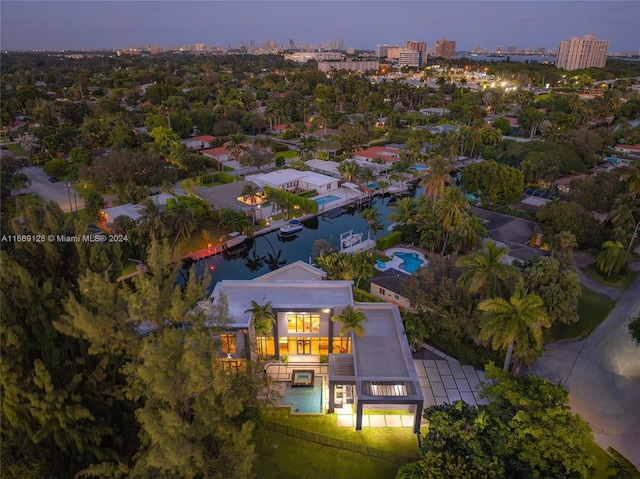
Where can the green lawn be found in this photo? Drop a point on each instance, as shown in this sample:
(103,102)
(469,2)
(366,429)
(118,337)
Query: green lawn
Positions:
(622,282)
(17,149)
(592,308)
(286,154)
(282,456)
(397,440)
(604,467)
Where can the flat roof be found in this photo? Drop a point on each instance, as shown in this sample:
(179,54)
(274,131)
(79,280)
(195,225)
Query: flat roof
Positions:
(282,295)
(330,166)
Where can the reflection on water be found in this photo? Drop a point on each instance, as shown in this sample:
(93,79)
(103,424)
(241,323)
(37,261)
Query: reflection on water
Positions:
(272,251)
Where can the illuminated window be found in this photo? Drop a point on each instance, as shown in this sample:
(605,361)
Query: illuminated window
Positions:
(266,346)
(228,343)
(303,322)
(341,345)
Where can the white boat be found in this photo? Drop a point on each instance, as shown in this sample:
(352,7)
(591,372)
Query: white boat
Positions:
(393,225)
(232,240)
(291,227)
(351,240)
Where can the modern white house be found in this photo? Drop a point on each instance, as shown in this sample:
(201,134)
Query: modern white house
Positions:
(329,168)
(291,180)
(134,211)
(373,371)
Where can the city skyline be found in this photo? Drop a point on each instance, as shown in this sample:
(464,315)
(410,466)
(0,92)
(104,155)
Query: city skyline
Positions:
(29,25)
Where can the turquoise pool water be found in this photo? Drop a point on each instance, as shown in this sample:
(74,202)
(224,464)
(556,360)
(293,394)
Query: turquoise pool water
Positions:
(304,399)
(419,167)
(325,199)
(411,261)
(375,185)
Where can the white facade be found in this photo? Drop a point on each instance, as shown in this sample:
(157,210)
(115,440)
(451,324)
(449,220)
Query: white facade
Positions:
(411,58)
(291,180)
(579,53)
(349,65)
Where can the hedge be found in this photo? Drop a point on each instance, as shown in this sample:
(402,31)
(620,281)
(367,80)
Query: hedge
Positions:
(308,194)
(288,200)
(223,177)
(363,296)
(387,241)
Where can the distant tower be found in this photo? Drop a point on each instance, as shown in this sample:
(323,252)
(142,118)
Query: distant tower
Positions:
(579,53)
(445,49)
(416,46)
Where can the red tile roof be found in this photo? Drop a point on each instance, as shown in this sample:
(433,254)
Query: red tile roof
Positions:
(379,152)
(205,138)
(221,150)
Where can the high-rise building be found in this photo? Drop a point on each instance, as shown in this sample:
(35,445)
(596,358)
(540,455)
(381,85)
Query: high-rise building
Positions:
(585,52)
(445,49)
(382,50)
(416,46)
(511,48)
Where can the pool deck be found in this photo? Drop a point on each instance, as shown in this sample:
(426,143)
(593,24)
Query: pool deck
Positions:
(396,262)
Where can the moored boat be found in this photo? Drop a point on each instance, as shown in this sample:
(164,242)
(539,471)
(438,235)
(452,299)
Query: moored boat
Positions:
(291,227)
(233,240)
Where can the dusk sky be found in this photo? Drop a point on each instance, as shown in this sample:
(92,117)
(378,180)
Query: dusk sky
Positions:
(27,25)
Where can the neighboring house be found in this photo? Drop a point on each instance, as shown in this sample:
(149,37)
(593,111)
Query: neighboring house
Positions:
(628,149)
(329,168)
(388,155)
(280,129)
(198,142)
(375,369)
(564,182)
(387,285)
(291,180)
(219,154)
(134,211)
(434,111)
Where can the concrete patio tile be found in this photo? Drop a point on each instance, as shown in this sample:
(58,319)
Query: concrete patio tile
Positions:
(345,420)
(479,400)
(429,363)
(442,400)
(424,382)
(407,420)
(429,400)
(481,377)
(471,376)
(393,420)
(469,398)
(420,370)
(463,385)
(433,375)
(345,409)
(365,420)
(456,370)
(448,382)
(443,367)
(377,420)
(438,389)
(453,394)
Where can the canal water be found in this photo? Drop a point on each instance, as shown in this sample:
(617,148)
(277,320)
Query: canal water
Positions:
(271,251)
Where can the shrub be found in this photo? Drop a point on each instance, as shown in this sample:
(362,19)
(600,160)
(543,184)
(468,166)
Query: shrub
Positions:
(387,241)
(223,177)
(308,194)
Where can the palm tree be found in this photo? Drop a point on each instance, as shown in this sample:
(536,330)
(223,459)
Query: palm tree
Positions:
(249,191)
(351,319)
(183,222)
(235,145)
(308,147)
(372,216)
(613,258)
(438,168)
(485,273)
(403,211)
(348,170)
(152,223)
(450,210)
(518,322)
(626,215)
(563,245)
(262,319)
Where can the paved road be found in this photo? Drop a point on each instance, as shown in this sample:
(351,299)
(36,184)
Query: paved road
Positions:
(602,374)
(60,192)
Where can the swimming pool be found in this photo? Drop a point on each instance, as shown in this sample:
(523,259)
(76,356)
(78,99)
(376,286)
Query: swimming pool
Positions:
(419,167)
(325,199)
(375,185)
(411,261)
(305,399)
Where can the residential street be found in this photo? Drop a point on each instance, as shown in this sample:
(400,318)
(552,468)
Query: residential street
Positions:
(60,192)
(602,374)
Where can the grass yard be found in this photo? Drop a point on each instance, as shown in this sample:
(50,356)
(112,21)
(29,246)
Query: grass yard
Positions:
(605,466)
(622,282)
(17,150)
(592,308)
(282,456)
(397,440)
(286,154)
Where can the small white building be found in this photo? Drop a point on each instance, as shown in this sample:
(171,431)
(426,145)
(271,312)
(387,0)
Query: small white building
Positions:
(329,168)
(291,180)
(134,211)
(198,142)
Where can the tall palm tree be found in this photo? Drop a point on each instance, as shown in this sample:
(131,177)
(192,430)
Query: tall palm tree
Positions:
(562,246)
(373,217)
(183,222)
(235,145)
(485,273)
(262,319)
(450,209)
(308,147)
(351,320)
(626,215)
(349,170)
(517,322)
(437,178)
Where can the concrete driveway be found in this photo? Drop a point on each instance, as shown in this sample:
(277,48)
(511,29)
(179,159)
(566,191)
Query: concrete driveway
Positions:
(602,375)
(60,192)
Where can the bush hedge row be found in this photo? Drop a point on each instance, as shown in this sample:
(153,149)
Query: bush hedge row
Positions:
(387,241)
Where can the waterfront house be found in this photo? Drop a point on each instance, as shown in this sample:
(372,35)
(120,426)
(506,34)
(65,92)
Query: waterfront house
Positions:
(375,370)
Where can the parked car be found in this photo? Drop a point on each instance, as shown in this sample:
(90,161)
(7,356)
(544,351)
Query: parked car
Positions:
(53,180)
